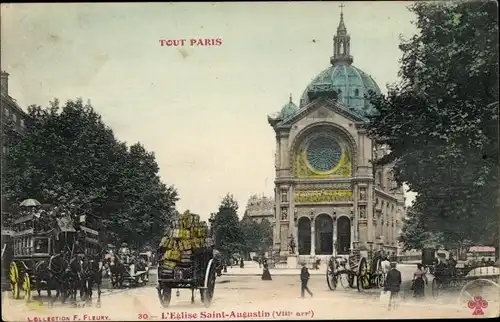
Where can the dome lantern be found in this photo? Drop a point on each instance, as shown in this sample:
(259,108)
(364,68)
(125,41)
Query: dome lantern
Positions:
(341,43)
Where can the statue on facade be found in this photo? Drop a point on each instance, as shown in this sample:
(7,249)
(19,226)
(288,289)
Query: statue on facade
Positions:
(292,245)
(362,194)
(362,212)
(283,214)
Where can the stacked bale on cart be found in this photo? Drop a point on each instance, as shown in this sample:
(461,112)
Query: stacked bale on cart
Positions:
(184,247)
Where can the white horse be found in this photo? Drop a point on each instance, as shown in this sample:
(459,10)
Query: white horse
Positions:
(386,266)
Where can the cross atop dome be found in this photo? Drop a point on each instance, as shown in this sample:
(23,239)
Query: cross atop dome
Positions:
(341,42)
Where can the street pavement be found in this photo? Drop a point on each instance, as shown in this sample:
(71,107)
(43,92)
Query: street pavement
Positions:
(238,297)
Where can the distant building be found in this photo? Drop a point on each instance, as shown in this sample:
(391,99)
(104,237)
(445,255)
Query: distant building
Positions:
(259,208)
(10,111)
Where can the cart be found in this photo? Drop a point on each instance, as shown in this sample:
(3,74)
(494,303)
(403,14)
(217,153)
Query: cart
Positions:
(357,271)
(200,276)
(134,273)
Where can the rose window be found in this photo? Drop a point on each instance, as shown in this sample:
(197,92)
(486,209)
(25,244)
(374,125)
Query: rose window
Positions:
(323,153)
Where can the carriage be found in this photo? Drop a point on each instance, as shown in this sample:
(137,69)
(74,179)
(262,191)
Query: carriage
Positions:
(34,242)
(360,272)
(130,270)
(471,280)
(201,276)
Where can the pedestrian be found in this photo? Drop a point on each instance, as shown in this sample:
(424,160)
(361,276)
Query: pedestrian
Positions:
(266,275)
(304,279)
(419,282)
(242,264)
(392,284)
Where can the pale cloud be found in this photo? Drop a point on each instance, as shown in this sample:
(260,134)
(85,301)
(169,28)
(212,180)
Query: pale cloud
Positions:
(202,110)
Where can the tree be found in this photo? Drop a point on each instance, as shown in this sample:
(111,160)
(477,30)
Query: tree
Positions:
(68,156)
(148,202)
(225,223)
(257,236)
(441,121)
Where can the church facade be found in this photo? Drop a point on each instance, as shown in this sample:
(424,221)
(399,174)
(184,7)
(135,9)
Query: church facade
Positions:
(329,198)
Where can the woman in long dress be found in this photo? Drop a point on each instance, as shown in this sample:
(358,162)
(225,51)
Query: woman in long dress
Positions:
(419,282)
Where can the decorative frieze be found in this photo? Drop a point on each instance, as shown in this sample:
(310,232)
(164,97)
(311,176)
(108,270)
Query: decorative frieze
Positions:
(324,185)
(325,195)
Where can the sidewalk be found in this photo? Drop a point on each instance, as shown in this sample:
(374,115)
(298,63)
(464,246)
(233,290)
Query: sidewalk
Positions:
(252,269)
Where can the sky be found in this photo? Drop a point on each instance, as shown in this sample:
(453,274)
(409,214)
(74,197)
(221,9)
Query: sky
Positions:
(201,109)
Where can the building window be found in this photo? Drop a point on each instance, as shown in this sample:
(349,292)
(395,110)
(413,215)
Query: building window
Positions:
(356,92)
(22,123)
(14,117)
(4,149)
(6,111)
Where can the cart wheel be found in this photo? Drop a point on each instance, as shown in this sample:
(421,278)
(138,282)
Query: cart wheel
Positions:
(27,287)
(208,291)
(165,295)
(476,291)
(381,280)
(331,276)
(363,280)
(14,280)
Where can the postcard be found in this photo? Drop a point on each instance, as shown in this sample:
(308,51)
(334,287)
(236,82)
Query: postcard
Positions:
(249,161)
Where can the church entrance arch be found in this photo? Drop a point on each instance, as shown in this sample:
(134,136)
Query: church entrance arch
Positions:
(304,236)
(343,235)
(324,234)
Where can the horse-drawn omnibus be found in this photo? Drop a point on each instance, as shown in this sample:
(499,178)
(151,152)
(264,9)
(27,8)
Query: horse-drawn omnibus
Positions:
(35,243)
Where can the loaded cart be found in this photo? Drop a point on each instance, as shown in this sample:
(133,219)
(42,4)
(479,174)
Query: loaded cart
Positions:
(186,260)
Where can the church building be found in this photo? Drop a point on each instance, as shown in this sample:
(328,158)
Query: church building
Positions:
(329,198)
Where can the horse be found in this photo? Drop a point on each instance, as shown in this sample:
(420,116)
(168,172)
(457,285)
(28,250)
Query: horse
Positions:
(75,278)
(43,278)
(118,270)
(58,271)
(92,271)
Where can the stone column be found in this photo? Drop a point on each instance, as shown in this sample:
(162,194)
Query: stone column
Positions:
(355,213)
(353,222)
(334,241)
(277,216)
(285,162)
(293,224)
(291,210)
(313,238)
(369,211)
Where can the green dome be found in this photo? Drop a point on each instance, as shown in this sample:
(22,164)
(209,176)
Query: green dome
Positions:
(288,110)
(350,83)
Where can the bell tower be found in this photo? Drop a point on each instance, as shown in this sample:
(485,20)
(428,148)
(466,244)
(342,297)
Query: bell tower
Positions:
(341,43)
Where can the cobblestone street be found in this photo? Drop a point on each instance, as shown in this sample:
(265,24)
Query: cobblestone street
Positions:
(241,295)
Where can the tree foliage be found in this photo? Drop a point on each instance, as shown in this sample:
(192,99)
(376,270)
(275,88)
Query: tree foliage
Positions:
(441,121)
(68,156)
(225,223)
(258,236)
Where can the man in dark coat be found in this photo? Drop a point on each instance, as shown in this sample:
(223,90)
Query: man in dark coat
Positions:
(304,279)
(392,284)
